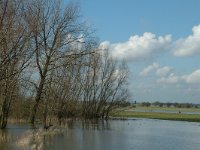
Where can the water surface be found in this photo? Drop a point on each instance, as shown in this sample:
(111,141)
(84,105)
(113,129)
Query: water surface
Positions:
(136,134)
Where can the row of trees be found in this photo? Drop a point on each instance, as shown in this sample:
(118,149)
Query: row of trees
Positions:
(169,104)
(49,60)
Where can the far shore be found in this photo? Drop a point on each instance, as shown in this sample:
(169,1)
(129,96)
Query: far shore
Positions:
(177,115)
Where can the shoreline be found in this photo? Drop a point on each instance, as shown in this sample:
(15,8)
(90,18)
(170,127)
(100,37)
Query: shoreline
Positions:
(123,115)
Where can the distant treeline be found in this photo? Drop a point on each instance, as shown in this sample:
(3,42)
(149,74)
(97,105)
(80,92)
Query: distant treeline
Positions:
(170,104)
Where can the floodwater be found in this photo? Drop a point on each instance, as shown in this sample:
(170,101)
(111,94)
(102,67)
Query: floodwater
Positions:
(134,134)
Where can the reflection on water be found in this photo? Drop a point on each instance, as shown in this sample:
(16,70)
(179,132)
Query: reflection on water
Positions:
(95,125)
(5,139)
(140,134)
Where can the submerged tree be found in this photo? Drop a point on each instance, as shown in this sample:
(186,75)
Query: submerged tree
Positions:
(54,32)
(105,85)
(48,52)
(14,52)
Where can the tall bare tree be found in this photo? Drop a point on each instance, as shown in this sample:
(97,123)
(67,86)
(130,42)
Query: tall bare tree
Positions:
(55,31)
(14,52)
(71,77)
(104,85)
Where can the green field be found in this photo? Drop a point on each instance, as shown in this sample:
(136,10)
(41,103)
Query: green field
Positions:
(169,108)
(159,115)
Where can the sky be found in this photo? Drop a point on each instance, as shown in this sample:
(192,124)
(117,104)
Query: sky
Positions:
(159,39)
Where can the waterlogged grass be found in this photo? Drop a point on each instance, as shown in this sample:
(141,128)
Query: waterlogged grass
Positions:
(155,115)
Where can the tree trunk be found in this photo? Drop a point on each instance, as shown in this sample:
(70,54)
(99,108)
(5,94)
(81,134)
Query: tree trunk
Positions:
(3,116)
(37,100)
(4,119)
(45,115)
(33,113)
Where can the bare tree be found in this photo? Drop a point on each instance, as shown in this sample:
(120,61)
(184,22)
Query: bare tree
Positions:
(69,75)
(14,52)
(104,85)
(66,87)
(55,31)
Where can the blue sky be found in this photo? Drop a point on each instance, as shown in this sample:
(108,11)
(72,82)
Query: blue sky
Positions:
(160,39)
(119,19)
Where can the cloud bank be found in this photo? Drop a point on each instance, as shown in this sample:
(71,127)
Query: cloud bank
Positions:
(191,78)
(148,69)
(138,47)
(142,47)
(188,46)
(159,70)
(163,71)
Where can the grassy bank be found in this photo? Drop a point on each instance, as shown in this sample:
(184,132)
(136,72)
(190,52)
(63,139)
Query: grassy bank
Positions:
(156,115)
(168,109)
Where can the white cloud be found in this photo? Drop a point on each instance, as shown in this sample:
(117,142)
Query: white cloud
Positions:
(171,79)
(166,75)
(163,71)
(148,69)
(104,45)
(192,78)
(189,45)
(138,47)
(159,70)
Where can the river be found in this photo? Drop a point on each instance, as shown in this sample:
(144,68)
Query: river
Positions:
(133,134)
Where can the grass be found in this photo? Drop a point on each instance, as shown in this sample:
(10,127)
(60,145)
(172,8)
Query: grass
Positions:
(158,115)
(169,108)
